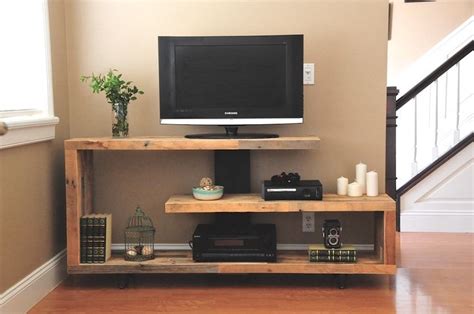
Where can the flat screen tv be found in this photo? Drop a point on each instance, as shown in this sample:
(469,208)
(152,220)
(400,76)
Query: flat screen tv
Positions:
(231,81)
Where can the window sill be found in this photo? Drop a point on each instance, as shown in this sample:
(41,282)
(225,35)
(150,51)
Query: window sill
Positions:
(27,130)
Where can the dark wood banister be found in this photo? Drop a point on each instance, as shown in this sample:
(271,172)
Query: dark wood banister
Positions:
(391,134)
(433,76)
(391,146)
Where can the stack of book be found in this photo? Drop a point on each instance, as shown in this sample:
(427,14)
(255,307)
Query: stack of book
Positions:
(96,238)
(320,254)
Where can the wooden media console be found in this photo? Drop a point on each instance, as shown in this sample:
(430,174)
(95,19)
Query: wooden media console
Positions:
(79,193)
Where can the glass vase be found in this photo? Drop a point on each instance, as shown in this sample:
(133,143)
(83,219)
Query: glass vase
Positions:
(119,120)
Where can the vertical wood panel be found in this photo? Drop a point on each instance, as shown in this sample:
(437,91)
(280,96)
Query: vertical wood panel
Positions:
(390,237)
(86,159)
(74,201)
(379,234)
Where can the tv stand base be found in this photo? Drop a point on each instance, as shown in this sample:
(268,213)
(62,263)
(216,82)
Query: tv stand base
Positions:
(230,133)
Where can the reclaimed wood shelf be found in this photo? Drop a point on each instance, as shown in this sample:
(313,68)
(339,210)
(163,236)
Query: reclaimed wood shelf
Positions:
(253,203)
(79,202)
(182,143)
(288,262)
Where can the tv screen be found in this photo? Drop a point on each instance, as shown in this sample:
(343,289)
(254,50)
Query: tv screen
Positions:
(231,80)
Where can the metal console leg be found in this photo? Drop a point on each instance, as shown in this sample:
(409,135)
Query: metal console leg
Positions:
(341,281)
(123,280)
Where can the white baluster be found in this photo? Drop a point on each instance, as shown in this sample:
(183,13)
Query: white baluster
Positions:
(446,95)
(457,134)
(414,165)
(435,148)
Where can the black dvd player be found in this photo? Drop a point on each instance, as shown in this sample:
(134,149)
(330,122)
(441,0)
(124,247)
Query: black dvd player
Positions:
(303,190)
(239,243)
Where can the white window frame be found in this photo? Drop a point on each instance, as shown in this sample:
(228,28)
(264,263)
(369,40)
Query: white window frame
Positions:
(38,125)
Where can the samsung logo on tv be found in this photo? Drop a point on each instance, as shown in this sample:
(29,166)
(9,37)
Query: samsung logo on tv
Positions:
(231,112)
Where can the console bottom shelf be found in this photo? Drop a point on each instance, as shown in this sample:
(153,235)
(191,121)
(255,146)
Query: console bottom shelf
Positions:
(289,262)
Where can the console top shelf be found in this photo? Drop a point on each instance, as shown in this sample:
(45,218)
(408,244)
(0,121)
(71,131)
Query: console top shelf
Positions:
(181,143)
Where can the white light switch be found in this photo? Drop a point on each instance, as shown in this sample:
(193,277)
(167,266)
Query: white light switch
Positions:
(308,74)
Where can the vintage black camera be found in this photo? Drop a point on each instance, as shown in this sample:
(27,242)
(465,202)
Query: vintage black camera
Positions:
(332,232)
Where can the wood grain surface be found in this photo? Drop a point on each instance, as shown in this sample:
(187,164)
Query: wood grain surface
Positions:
(181,143)
(254,203)
(74,204)
(289,262)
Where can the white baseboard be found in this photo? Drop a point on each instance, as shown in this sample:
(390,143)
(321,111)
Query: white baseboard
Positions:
(30,290)
(437,222)
(280,246)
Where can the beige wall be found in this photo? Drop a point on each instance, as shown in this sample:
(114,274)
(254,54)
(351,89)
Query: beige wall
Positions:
(417,27)
(32,214)
(346,108)
(347,40)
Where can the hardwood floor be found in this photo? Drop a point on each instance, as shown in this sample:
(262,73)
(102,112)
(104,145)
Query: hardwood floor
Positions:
(435,275)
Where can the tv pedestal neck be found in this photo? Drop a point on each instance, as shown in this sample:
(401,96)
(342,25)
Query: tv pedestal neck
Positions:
(231,132)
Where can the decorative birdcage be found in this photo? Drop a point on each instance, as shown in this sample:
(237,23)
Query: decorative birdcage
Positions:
(139,237)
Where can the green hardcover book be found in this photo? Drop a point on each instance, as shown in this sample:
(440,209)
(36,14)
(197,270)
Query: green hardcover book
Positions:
(90,239)
(333,259)
(320,250)
(100,239)
(83,239)
(96,239)
(108,237)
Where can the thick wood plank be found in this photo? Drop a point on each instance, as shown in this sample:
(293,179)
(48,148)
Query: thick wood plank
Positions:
(78,197)
(389,237)
(313,268)
(379,234)
(181,143)
(289,262)
(254,203)
(74,201)
(87,168)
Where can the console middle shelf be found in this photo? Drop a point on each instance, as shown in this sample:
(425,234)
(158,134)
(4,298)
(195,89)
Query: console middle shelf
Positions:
(247,203)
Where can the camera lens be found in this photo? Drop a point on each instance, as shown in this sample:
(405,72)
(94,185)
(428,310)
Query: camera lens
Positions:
(333,231)
(333,240)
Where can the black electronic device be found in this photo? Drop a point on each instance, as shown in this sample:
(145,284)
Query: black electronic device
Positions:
(242,243)
(332,232)
(303,190)
(231,81)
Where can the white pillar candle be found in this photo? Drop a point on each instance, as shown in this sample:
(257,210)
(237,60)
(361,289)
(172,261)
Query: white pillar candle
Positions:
(354,189)
(361,171)
(342,186)
(372,183)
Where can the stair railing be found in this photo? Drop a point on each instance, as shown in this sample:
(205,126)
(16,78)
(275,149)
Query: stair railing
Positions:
(433,118)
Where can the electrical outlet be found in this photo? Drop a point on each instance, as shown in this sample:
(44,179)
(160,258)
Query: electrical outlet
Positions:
(308,222)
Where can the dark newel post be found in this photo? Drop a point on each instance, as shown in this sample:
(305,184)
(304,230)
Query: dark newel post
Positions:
(390,148)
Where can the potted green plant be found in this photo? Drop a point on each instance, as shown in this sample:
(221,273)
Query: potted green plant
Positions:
(119,93)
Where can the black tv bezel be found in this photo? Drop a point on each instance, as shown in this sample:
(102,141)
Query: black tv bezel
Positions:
(292,112)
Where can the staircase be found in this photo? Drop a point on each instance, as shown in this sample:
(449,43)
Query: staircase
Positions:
(434,122)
